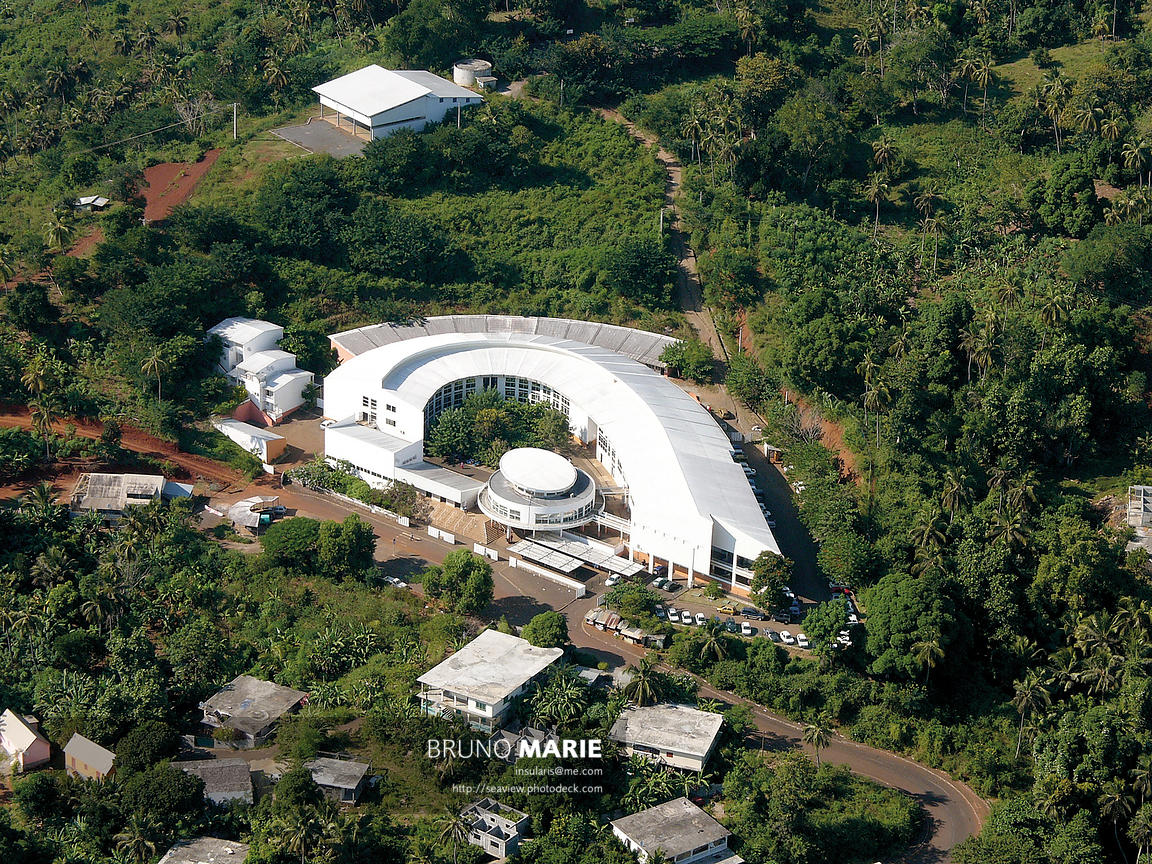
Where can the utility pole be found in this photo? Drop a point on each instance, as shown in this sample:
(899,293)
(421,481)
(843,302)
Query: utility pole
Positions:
(234,121)
(661,221)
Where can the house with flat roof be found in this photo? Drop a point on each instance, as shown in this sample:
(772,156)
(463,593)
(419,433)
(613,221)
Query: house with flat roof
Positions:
(252,359)
(339,779)
(674,735)
(679,831)
(20,739)
(251,708)
(264,445)
(479,683)
(494,827)
(374,102)
(225,780)
(84,758)
(206,850)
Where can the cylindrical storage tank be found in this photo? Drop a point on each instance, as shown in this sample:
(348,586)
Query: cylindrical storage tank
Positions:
(465,72)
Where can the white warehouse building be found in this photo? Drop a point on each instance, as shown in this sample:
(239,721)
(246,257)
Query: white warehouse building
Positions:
(690,506)
(374,102)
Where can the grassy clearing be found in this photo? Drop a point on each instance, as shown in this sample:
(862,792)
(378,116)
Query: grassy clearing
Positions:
(1076,61)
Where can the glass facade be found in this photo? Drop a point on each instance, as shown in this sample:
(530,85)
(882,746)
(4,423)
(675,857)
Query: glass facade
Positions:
(453,394)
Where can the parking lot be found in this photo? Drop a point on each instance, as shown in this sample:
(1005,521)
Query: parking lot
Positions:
(320,136)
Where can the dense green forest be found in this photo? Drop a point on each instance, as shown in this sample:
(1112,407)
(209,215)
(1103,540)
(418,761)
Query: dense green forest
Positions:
(926,222)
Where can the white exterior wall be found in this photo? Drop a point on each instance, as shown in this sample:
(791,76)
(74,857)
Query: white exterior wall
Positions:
(236,353)
(289,396)
(415,115)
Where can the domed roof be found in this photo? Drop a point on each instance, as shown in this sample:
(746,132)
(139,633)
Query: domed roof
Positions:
(538,471)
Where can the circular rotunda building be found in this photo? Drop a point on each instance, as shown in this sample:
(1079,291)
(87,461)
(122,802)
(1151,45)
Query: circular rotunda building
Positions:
(537,490)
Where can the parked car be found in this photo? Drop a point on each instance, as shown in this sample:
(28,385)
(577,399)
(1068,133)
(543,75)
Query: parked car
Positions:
(747,629)
(853,618)
(782,617)
(731,626)
(278,510)
(660,613)
(327,424)
(837,588)
(613,580)
(660,570)
(787,638)
(752,612)
(670,586)
(658,582)
(802,641)
(749,471)
(772,635)
(395,582)
(727,609)
(701,619)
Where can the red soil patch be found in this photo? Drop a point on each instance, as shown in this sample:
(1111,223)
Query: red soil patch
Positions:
(171,183)
(84,247)
(192,466)
(1105,191)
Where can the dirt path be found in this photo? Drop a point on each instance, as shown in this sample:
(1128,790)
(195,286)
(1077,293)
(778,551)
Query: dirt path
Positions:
(171,183)
(689,293)
(138,441)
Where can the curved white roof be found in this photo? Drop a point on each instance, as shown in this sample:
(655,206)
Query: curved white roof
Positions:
(537,470)
(676,460)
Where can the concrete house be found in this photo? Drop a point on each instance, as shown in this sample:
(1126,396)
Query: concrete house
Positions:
(374,102)
(495,828)
(20,739)
(678,830)
(206,850)
(674,735)
(251,708)
(225,780)
(251,359)
(84,758)
(479,683)
(339,779)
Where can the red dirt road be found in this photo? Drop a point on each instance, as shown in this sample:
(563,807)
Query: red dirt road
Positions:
(194,467)
(171,183)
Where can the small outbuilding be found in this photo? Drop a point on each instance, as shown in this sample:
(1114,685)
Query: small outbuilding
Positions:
(264,445)
(339,779)
(225,780)
(84,758)
(90,203)
(21,741)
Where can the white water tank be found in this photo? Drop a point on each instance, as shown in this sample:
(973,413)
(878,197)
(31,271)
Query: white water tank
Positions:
(466,72)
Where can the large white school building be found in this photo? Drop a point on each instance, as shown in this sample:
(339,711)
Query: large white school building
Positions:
(690,507)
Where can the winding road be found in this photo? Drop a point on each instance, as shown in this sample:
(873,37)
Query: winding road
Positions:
(953,810)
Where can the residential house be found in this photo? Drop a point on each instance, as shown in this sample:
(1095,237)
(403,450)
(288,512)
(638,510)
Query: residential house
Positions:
(90,203)
(250,358)
(506,744)
(339,779)
(206,850)
(84,758)
(674,735)
(679,831)
(21,741)
(495,828)
(250,708)
(480,682)
(225,780)
(374,102)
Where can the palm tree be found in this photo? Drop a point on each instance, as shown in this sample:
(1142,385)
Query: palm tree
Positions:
(713,643)
(1136,155)
(1053,312)
(296,834)
(984,74)
(1111,127)
(44,414)
(1054,94)
(7,263)
(876,190)
(884,153)
(745,21)
(176,25)
(1116,804)
(1142,777)
(454,829)
(1088,118)
(964,70)
(145,40)
(927,653)
(863,47)
(1031,695)
(135,840)
(57,233)
(51,568)
(274,73)
(647,684)
(926,200)
(818,734)
(40,500)
(712,706)
(1140,830)
(155,364)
